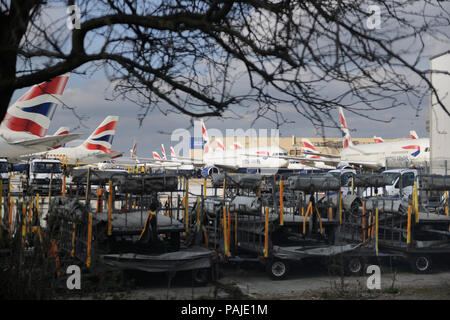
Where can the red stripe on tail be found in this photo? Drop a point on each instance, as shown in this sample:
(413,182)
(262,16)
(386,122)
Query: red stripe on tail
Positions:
(55,86)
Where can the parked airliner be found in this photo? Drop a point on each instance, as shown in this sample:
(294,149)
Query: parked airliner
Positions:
(25,125)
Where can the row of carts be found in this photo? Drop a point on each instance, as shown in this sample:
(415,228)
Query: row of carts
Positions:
(171,223)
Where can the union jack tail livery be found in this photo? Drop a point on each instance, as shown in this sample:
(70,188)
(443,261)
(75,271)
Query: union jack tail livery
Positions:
(205,138)
(133,150)
(377,139)
(413,134)
(32,113)
(346,138)
(163,151)
(61,131)
(102,137)
(156,156)
(172,153)
(307,146)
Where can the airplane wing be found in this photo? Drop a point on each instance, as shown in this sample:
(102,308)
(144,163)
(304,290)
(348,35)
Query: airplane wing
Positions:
(47,142)
(329,155)
(170,163)
(226,167)
(110,155)
(339,162)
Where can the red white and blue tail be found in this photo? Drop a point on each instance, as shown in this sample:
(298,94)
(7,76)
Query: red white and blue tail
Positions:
(308,147)
(378,139)
(172,153)
(413,134)
(156,156)
(102,137)
(33,112)
(163,152)
(346,138)
(133,150)
(205,138)
(61,131)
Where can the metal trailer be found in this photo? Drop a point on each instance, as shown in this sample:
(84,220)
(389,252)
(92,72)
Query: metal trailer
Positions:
(407,228)
(138,236)
(282,226)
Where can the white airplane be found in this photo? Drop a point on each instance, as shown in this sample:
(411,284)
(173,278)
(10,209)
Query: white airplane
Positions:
(376,155)
(233,159)
(96,148)
(26,122)
(237,157)
(310,152)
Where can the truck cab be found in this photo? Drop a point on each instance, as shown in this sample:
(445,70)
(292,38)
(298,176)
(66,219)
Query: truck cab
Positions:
(345,174)
(43,176)
(400,182)
(4,173)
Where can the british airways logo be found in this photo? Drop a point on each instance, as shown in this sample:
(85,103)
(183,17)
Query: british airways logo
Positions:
(413,147)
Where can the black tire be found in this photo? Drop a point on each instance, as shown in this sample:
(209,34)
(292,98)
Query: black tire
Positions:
(201,277)
(354,266)
(421,263)
(277,269)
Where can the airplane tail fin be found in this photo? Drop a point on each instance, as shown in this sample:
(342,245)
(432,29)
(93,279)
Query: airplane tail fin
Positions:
(172,153)
(133,151)
(61,131)
(205,138)
(346,138)
(308,146)
(156,156)
(33,112)
(103,135)
(378,139)
(163,151)
(413,134)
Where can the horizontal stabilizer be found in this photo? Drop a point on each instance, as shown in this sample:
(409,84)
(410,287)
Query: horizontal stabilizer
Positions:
(109,155)
(48,142)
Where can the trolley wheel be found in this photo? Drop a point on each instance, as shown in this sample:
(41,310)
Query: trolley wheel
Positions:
(354,266)
(420,263)
(277,269)
(200,277)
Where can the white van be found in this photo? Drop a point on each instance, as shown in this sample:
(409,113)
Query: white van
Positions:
(400,182)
